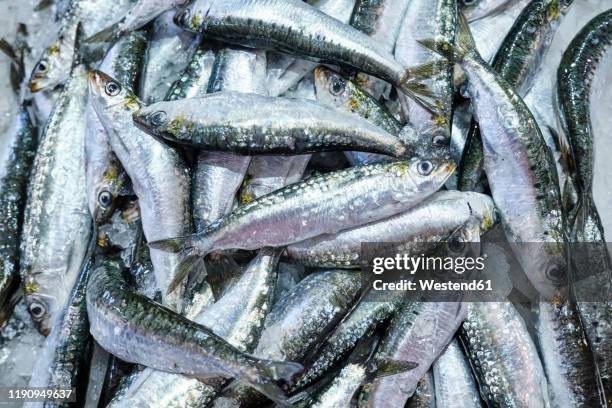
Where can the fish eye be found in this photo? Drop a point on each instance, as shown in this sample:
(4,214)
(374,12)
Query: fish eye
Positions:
(337,86)
(468,2)
(37,310)
(439,140)
(425,167)
(555,273)
(158,118)
(112,89)
(42,66)
(456,244)
(105,198)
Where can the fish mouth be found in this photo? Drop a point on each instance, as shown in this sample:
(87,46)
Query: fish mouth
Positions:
(34,86)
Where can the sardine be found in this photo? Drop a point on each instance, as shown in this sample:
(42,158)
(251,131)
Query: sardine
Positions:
(237,317)
(320,205)
(477,9)
(159,176)
(517,61)
(57,221)
(255,124)
(105,177)
(424,396)
(516,159)
(295,27)
(139,330)
(433,220)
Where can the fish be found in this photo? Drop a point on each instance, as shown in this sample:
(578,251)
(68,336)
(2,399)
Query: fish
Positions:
(219,175)
(67,351)
(169,52)
(105,177)
(456,386)
(53,66)
(592,272)
(298,322)
(160,177)
(19,145)
(433,220)
(302,210)
(567,358)
(503,356)
(284,71)
(57,223)
(335,91)
(418,333)
(427,19)
(137,17)
(509,130)
(336,43)
(282,126)
(478,9)
(517,61)
(138,330)
(237,317)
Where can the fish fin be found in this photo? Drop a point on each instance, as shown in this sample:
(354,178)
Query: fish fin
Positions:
(385,367)
(177,244)
(276,373)
(43,4)
(565,150)
(79,51)
(8,50)
(417,91)
(427,70)
(464,43)
(189,261)
(109,34)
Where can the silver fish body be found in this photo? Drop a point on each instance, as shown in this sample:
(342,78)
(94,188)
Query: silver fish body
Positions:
(254,124)
(477,9)
(433,220)
(295,27)
(159,176)
(238,317)
(320,205)
(57,221)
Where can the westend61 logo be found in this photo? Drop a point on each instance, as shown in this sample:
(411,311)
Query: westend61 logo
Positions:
(411,264)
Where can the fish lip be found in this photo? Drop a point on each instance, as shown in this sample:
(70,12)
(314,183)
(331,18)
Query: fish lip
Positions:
(141,123)
(34,87)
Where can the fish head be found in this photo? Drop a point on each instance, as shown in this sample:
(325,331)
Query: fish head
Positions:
(419,176)
(110,98)
(332,89)
(482,209)
(545,264)
(106,188)
(155,120)
(41,306)
(53,67)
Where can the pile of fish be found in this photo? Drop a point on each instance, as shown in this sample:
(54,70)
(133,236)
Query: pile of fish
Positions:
(187,184)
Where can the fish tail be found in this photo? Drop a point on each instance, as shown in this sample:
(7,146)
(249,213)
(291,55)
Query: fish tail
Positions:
(43,4)
(109,34)
(190,262)
(463,47)
(175,245)
(276,374)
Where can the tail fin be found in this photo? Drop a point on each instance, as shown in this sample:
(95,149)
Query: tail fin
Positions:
(274,375)
(109,34)
(190,260)
(43,4)
(17,53)
(464,43)
(177,244)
